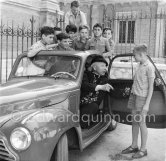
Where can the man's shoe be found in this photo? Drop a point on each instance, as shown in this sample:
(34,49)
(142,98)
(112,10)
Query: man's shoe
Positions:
(140,154)
(130,150)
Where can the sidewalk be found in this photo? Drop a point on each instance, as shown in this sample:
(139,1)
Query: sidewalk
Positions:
(109,144)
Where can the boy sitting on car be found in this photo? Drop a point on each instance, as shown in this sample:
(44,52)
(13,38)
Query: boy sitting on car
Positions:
(38,67)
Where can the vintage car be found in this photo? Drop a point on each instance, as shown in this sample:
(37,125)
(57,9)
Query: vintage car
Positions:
(39,105)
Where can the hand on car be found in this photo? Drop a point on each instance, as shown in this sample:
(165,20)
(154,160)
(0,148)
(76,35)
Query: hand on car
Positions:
(105,87)
(158,81)
(48,66)
(108,87)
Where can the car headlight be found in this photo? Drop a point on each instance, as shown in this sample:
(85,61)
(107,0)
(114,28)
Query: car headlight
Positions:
(20,138)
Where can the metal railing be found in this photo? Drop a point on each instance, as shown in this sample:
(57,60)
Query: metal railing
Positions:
(13,41)
(129,28)
(134,27)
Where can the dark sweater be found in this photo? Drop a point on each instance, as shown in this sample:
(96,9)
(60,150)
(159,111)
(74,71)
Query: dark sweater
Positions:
(89,83)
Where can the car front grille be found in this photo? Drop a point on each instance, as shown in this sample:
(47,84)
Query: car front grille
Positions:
(5,154)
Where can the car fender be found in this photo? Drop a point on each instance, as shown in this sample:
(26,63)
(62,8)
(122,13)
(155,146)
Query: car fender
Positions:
(46,127)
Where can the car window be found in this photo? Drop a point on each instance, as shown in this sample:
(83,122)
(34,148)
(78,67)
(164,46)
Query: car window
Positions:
(123,68)
(45,65)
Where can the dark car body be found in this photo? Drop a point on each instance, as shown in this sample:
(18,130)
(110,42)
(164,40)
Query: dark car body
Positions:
(46,108)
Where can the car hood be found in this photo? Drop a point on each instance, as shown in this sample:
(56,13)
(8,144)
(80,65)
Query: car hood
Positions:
(25,94)
(15,117)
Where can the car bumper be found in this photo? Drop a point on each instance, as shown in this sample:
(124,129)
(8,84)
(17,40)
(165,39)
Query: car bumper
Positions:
(6,153)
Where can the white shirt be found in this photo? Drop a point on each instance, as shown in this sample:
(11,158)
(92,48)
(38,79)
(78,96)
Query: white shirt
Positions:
(79,19)
(35,48)
(143,73)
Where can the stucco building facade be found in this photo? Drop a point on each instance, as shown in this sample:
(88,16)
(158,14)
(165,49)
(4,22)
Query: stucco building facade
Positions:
(132,22)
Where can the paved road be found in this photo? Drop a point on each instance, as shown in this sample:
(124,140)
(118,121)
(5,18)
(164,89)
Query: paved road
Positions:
(108,146)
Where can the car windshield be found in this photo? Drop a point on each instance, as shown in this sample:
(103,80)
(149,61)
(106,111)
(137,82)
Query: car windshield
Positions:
(49,66)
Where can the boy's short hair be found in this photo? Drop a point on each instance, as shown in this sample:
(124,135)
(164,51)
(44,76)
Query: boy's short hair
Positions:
(62,36)
(75,4)
(46,30)
(140,48)
(71,28)
(83,27)
(57,29)
(98,25)
(108,28)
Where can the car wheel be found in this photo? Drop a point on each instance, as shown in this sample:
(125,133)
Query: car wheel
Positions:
(61,151)
(112,125)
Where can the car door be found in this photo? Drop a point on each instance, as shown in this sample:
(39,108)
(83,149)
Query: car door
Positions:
(121,73)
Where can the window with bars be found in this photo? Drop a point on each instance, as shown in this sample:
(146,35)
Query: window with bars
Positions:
(126,31)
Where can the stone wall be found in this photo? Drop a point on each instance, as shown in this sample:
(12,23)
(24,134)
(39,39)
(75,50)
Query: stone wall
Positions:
(149,31)
(148,27)
(16,23)
(145,27)
(21,11)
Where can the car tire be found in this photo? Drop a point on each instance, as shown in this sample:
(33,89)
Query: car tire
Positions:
(112,125)
(61,151)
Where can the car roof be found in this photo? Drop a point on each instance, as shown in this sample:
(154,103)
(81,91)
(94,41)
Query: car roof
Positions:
(83,54)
